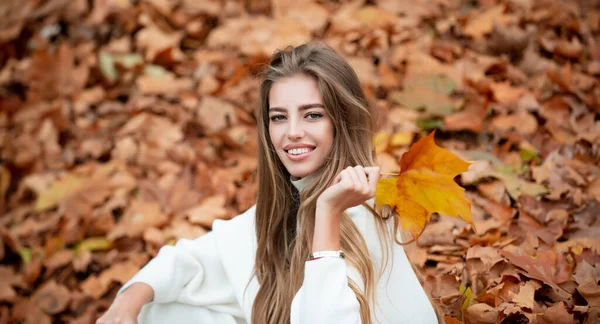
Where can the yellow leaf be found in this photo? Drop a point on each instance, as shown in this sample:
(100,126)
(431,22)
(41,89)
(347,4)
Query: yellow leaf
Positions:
(385,140)
(98,243)
(425,185)
(58,191)
(381,141)
(517,186)
(469,301)
(451,320)
(401,138)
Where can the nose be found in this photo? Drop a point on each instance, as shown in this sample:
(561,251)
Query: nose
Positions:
(295,130)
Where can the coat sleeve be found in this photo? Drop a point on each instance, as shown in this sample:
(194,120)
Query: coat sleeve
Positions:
(191,272)
(325,296)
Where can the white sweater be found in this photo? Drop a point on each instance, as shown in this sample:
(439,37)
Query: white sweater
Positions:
(205,280)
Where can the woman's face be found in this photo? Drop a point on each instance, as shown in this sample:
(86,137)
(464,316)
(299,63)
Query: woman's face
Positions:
(299,127)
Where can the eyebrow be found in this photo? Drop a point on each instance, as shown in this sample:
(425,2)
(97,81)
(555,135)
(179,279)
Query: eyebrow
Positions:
(302,107)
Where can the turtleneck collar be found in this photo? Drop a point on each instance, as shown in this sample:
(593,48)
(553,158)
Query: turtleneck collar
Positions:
(302,183)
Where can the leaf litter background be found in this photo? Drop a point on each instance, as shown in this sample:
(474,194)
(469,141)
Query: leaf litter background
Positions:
(128,125)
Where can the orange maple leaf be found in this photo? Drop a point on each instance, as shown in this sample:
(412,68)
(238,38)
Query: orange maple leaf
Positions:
(425,185)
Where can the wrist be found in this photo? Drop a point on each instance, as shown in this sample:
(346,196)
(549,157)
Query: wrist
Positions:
(326,236)
(135,297)
(325,209)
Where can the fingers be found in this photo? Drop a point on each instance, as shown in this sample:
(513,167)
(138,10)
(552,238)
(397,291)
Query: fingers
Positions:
(351,173)
(338,178)
(360,179)
(374,173)
(352,186)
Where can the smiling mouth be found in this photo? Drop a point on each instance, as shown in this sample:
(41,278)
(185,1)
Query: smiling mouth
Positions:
(300,151)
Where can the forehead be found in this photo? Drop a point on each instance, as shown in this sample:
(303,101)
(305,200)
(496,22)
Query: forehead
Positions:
(291,92)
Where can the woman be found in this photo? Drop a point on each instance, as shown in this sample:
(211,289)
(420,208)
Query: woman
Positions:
(312,249)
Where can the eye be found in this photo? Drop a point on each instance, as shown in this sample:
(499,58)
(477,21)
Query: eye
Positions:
(314,115)
(277,118)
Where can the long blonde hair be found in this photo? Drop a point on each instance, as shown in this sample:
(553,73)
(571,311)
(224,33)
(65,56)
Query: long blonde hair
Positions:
(282,250)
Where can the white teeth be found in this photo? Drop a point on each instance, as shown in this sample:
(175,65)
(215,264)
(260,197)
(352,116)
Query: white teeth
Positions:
(300,151)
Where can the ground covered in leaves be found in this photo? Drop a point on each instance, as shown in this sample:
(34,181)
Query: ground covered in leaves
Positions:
(126,125)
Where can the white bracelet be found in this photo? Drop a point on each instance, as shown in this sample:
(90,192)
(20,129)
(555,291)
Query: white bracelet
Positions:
(330,254)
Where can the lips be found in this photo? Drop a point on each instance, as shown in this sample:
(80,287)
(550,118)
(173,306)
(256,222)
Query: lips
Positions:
(299,154)
(297,146)
(299,151)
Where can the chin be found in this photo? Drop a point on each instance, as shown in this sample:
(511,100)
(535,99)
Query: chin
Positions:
(297,173)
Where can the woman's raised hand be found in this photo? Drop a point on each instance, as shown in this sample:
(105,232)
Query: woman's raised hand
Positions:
(118,313)
(353,186)
(127,306)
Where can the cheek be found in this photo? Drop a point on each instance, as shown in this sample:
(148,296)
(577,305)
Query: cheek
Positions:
(328,133)
(274,135)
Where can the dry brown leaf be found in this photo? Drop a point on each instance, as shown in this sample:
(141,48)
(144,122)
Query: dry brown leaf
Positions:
(16,14)
(216,115)
(471,117)
(481,314)
(209,209)
(437,104)
(8,279)
(154,236)
(556,314)
(506,94)
(547,266)
(494,190)
(54,75)
(166,84)
(502,292)
(586,271)
(96,286)
(52,298)
(522,122)
(212,8)
(181,194)
(479,261)
(5,177)
(93,287)
(179,229)
(511,40)
(310,14)
(437,233)
(58,259)
(590,290)
(27,311)
(262,36)
(525,297)
(137,218)
(59,190)
(500,212)
(82,260)
(593,188)
(547,232)
(155,40)
(482,23)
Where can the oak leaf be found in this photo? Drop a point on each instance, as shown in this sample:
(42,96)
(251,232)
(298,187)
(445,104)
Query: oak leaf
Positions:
(52,298)
(425,185)
(547,266)
(58,191)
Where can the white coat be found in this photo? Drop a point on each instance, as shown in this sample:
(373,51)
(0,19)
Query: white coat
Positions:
(205,280)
